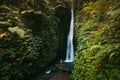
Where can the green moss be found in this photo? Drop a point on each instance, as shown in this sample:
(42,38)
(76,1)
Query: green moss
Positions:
(22,58)
(3,23)
(98,41)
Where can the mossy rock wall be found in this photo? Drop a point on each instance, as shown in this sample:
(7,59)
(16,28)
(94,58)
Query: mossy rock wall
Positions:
(22,57)
(63,12)
(97,31)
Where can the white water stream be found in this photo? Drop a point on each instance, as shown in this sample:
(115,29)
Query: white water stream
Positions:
(70,48)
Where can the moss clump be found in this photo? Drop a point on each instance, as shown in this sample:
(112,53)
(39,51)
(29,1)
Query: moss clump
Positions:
(98,41)
(17,31)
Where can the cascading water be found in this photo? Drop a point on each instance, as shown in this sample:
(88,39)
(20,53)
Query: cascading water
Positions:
(70,49)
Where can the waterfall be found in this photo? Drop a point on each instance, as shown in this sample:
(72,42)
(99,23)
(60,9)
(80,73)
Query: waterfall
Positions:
(70,49)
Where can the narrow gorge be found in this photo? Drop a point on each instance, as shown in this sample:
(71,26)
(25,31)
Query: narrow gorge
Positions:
(59,39)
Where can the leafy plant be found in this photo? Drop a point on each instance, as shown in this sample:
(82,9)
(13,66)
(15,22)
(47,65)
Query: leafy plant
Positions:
(98,41)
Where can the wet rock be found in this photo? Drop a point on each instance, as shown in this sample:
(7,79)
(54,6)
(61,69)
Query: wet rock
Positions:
(64,14)
(60,76)
(57,72)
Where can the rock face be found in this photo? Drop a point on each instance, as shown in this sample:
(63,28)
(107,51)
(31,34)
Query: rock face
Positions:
(98,40)
(63,12)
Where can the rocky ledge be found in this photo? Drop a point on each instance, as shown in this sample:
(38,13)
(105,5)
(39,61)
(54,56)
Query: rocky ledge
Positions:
(56,72)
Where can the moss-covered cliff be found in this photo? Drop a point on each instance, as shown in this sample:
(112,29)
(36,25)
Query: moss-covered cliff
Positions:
(97,31)
(28,38)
